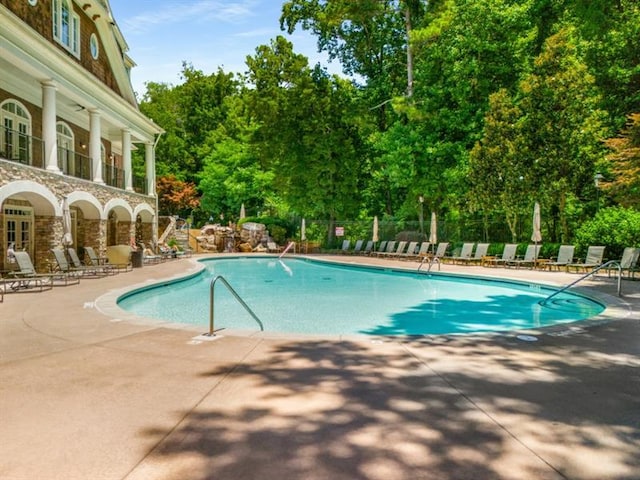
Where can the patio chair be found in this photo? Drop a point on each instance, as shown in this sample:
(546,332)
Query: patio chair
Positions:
(423,251)
(410,252)
(391,245)
(63,265)
(25,277)
(464,256)
(594,257)
(508,255)
(95,261)
(381,248)
(478,254)
(400,248)
(565,257)
(357,247)
(345,247)
(627,262)
(441,251)
(530,257)
(367,248)
(89,270)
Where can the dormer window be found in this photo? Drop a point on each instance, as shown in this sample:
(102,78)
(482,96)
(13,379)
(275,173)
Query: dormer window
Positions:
(66,26)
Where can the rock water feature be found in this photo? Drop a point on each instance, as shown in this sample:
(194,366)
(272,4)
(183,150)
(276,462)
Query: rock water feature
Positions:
(251,237)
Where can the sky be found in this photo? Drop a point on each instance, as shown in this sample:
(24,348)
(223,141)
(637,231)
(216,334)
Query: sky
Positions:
(208,34)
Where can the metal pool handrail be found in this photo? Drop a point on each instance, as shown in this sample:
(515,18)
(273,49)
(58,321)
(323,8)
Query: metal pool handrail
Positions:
(291,244)
(586,275)
(235,294)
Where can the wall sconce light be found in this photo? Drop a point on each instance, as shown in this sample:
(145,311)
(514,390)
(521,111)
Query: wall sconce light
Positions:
(83,145)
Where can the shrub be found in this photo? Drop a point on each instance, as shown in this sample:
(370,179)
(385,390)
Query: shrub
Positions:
(614,227)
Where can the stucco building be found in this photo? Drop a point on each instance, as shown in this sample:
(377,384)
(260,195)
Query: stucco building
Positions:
(69,121)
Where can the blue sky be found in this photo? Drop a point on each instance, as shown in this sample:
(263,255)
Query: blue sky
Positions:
(161,34)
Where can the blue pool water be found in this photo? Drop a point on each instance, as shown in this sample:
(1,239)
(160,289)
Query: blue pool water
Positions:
(311,297)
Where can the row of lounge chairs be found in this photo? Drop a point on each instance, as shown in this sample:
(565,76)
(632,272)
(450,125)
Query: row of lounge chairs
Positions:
(477,254)
(25,278)
(394,249)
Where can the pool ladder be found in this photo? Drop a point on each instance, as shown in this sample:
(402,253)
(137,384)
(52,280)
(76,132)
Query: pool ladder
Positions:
(235,294)
(587,275)
(431,260)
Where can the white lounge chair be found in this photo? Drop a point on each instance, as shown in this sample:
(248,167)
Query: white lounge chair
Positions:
(508,255)
(25,277)
(464,256)
(594,257)
(530,257)
(565,257)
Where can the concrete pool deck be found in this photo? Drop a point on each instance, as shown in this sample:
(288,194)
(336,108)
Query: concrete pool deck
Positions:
(86,395)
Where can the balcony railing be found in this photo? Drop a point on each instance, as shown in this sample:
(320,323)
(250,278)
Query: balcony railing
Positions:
(139,184)
(28,150)
(113,176)
(74,164)
(19,147)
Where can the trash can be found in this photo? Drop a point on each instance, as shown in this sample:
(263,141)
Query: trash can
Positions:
(136,259)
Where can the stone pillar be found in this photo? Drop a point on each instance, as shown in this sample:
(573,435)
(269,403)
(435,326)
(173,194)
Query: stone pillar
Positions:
(126,159)
(150,164)
(102,238)
(49,135)
(95,152)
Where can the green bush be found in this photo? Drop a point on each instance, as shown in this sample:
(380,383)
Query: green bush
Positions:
(614,227)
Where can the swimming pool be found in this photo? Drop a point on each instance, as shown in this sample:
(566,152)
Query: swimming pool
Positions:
(314,297)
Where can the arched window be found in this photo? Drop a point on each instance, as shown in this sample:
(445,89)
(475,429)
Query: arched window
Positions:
(66,26)
(15,135)
(66,150)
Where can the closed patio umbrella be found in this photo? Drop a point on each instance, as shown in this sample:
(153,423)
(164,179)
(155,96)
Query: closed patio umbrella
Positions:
(303,231)
(536,235)
(67,237)
(242,212)
(375,231)
(433,231)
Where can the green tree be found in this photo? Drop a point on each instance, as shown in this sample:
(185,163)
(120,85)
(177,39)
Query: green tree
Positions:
(368,37)
(459,63)
(307,132)
(562,126)
(498,171)
(160,103)
(187,112)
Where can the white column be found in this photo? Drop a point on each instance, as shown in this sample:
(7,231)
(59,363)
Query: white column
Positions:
(95,152)
(126,159)
(150,163)
(49,136)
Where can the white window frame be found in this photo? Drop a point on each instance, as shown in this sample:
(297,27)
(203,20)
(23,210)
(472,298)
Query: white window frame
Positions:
(66,33)
(16,142)
(66,147)
(22,234)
